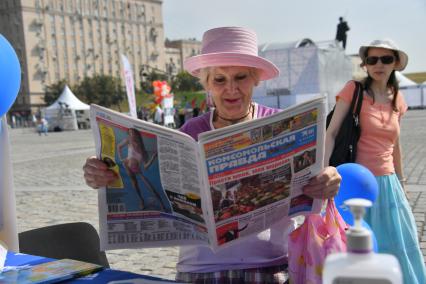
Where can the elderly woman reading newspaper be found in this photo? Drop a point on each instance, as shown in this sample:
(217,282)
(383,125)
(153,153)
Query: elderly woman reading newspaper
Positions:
(229,68)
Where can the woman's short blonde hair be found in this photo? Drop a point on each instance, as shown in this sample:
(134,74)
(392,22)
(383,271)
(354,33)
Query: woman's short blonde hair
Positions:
(205,74)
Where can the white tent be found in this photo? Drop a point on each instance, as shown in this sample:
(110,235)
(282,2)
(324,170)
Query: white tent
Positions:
(404,81)
(307,69)
(67,112)
(414,94)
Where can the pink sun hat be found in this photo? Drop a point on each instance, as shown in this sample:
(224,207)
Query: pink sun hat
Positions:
(230,46)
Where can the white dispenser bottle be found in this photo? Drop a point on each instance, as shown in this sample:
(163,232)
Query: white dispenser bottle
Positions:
(360,264)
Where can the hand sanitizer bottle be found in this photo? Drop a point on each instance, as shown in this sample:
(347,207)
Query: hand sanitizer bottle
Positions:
(360,264)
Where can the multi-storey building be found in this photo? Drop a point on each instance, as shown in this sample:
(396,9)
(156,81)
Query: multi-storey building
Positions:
(185,48)
(72,39)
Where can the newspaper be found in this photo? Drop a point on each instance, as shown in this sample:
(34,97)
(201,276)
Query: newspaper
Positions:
(234,182)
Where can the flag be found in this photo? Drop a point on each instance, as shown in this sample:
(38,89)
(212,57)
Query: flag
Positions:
(8,230)
(203,106)
(193,102)
(130,85)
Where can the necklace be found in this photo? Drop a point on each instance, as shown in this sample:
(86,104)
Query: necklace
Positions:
(236,120)
(380,97)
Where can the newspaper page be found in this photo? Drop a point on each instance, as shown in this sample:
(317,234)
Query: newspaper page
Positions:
(156,200)
(236,181)
(256,171)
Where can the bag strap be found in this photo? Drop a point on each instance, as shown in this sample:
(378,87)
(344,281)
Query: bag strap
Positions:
(357,98)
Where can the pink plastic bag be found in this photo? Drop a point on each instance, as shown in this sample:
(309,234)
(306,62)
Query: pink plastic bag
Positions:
(309,245)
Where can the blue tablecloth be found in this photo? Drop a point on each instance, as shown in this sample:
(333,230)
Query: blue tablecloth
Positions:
(103,276)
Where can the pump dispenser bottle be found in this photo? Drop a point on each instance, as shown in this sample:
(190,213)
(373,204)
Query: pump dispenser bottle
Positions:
(360,264)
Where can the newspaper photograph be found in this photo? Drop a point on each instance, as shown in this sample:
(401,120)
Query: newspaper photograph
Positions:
(236,181)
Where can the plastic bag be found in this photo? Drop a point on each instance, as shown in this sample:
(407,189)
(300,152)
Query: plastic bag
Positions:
(309,245)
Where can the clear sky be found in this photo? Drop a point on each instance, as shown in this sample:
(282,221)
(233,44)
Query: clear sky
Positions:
(404,21)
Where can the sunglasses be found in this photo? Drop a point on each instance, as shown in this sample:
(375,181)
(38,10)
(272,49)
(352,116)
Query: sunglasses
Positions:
(372,60)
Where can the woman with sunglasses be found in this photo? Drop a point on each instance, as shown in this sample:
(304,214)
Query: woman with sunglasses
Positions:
(379,150)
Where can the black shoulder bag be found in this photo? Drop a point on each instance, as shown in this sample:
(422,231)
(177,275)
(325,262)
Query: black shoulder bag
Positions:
(347,138)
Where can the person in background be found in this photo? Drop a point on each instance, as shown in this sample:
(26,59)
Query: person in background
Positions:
(34,120)
(181,116)
(158,115)
(379,150)
(42,126)
(140,113)
(188,111)
(342,29)
(195,111)
(13,121)
(229,68)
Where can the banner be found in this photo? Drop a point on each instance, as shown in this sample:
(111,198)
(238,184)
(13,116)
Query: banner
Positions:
(8,230)
(130,85)
(168,109)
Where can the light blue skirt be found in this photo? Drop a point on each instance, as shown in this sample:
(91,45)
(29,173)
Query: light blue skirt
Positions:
(393,224)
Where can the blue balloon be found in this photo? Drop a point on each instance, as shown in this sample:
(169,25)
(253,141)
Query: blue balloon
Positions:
(357,182)
(10,75)
(345,213)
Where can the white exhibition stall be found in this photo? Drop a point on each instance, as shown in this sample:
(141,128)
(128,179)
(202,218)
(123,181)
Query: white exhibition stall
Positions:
(404,81)
(307,69)
(414,94)
(67,112)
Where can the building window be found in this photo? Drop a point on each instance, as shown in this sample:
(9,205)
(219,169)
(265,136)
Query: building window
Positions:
(122,10)
(62,23)
(52,22)
(141,13)
(51,5)
(153,35)
(114,8)
(72,31)
(130,11)
(70,6)
(105,10)
(78,6)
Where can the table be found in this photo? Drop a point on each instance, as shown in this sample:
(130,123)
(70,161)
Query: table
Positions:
(105,276)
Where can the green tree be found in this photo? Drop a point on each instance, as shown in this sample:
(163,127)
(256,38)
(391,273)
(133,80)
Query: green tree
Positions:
(185,82)
(53,91)
(103,90)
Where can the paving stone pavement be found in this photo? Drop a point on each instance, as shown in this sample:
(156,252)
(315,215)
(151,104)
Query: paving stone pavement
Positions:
(50,188)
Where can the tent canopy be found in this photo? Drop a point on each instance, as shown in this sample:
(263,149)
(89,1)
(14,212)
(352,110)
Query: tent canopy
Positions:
(67,112)
(404,81)
(307,69)
(69,100)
